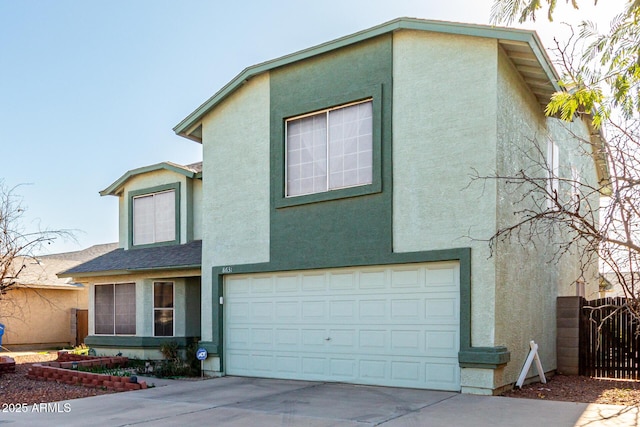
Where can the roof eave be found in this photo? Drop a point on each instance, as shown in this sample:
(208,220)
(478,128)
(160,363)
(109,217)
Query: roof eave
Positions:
(69,287)
(114,189)
(191,127)
(129,271)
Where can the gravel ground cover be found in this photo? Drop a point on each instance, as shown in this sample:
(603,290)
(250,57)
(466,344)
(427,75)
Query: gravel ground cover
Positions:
(571,388)
(16,388)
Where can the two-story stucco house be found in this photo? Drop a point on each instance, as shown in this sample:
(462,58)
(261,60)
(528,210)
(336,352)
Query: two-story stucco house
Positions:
(336,182)
(334,233)
(147,291)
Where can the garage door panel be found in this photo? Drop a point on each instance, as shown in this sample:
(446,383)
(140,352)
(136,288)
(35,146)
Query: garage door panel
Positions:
(343,310)
(313,366)
(286,311)
(405,342)
(442,375)
(405,371)
(262,338)
(313,311)
(442,343)
(342,282)
(289,365)
(313,337)
(286,284)
(239,338)
(372,279)
(373,340)
(373,370)
(385,325)
(373,309)
(287,338)
(262,311)
(406,278)
(406,309)
(442,307)
(314,283)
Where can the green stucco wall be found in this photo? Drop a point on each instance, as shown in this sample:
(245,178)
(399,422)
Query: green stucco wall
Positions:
(192,307)
(343,230)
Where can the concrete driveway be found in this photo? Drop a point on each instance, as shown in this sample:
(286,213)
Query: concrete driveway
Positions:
(235,401)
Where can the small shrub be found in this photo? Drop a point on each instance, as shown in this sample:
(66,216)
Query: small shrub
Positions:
(173,365)
(117,371)
(81,350)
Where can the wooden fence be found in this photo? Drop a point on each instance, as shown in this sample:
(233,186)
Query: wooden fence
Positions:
(609,343)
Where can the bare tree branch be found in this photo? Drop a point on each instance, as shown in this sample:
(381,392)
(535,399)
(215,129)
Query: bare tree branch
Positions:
(17,246)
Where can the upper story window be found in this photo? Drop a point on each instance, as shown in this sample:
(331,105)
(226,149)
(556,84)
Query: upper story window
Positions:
(154,218)
(553,172)
(330,149)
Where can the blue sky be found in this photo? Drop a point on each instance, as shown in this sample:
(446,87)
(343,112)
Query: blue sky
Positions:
(92,89)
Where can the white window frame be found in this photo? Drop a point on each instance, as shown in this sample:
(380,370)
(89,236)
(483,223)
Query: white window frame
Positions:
(114,284)
(172,309)
(576,180)
(326,111)
(154,239)
(553,172)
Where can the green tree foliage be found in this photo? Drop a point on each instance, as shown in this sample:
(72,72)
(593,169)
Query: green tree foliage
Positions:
(606,77)
(600,79)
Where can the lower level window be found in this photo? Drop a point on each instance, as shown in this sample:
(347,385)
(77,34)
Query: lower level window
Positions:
(163,309)
(115,309)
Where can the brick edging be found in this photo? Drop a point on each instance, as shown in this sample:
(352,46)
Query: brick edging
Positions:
(61,371)
(7,364)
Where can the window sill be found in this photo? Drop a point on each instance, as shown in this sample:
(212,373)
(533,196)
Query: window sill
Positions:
(344,193)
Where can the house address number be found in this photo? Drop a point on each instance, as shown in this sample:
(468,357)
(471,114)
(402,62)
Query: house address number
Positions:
(227,270)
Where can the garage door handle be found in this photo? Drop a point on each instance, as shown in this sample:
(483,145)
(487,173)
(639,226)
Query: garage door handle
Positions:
(328,339)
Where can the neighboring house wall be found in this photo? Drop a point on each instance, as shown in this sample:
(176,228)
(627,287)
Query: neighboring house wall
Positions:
(40,318)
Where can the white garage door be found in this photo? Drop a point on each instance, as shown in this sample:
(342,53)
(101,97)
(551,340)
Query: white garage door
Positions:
(395,325)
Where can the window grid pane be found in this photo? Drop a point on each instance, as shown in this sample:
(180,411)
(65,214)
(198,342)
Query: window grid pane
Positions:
(143,220)
(115,309)
(330,150)
(125,309)
(307,155)
(163,309)
(104,303)
(154,218)
(165,216)
(351,146)
(163,323)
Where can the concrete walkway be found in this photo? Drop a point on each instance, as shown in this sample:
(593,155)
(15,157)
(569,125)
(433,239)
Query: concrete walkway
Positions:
(234,401)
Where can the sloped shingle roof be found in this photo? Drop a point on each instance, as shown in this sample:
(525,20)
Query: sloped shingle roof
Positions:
(170,257)
(40,271)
